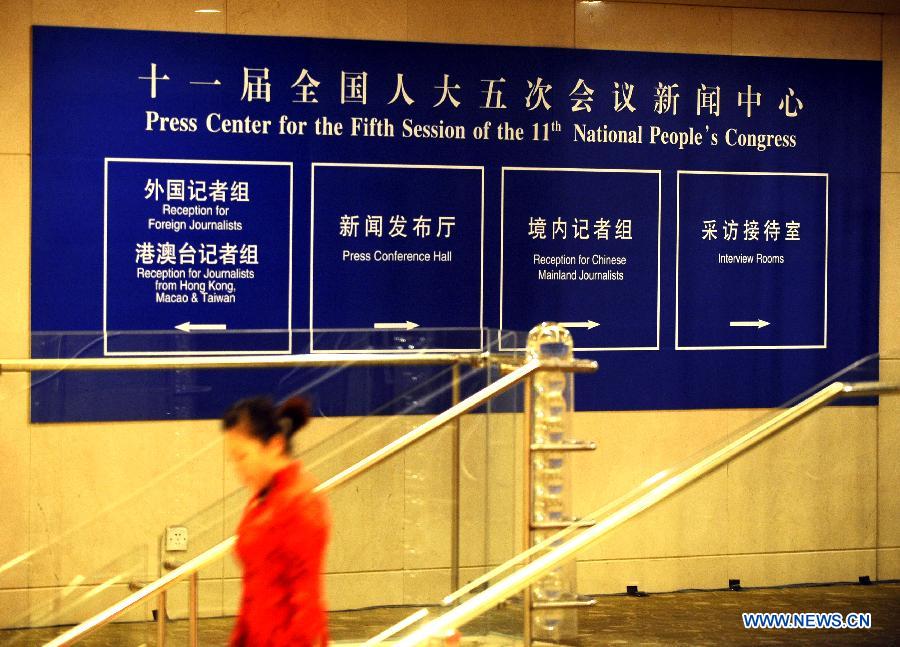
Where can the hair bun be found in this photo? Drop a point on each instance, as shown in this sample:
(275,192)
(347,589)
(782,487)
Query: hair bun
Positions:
(296,410)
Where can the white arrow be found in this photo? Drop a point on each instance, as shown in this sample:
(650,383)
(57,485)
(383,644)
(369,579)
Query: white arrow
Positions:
(406,325)
(216,82)
(750,324)
(579,324)
(187,326)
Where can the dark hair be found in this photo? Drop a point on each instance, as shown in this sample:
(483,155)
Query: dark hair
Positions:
(267,420)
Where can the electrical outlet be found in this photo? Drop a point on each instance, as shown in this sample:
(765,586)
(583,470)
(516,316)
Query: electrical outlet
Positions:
(176,539)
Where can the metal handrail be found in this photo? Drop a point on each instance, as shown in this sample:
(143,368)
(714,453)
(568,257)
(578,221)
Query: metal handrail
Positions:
(650,493)
(211,555)
(313,360)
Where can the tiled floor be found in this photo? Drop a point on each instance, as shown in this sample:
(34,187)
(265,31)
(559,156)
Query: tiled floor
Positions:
(696,618)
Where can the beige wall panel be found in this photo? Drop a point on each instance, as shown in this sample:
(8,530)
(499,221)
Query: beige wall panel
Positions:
(487,488)
(691,522)
(232,512)
(357,590)
(171,15)
(889,564)
(426,587)
(791,568)
(653,28)
(330,445)
(15,605)
(367,513)
(474,488)
(427,503)
(325,430)
(806,34)
(209,600)
(14,457)
(231,596)
(504,483)
(612,576)
(365,19)
(103,491)
(204,532)
(810,488)
(15,76)
(493,22)
(15,245)
(633,446)
(889,459)
(890,125)
(368,510)
(49,607)
(889,338)
(230,565)
(469,573)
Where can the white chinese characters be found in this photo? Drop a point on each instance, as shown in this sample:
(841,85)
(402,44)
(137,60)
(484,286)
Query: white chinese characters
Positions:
(398,226)
(164,253)
(580,229)
(179,190)
(768,230)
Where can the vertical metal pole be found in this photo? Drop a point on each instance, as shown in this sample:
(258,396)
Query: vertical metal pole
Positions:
(193,610)
(527,501)
(455,520)
(161,619)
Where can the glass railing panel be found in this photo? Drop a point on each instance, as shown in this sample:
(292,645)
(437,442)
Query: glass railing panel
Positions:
(394,537)
(638,449)
(332,444)
(404,549)
(168,468)
(814,505)
(808,505)
(421,574)
(48,603)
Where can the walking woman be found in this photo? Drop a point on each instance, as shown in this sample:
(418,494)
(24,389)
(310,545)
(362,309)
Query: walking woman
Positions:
(284,530)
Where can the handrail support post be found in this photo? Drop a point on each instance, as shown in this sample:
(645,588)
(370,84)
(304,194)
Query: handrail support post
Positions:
(527,501)
(161,619)
(193,609)
(455,495)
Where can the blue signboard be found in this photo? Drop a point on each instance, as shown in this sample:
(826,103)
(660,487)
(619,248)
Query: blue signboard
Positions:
(403,249)
(199,247)
(582,246)
(741,271)
(693,219)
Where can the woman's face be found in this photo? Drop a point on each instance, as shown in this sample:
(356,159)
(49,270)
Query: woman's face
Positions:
(254,461)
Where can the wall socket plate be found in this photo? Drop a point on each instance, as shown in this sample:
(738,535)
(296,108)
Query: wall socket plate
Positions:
(176,539)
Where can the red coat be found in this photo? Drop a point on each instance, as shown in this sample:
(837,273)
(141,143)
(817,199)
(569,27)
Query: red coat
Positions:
(281,545)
